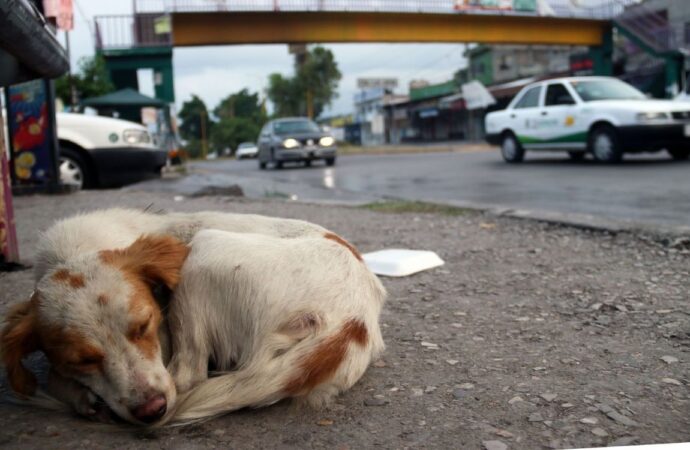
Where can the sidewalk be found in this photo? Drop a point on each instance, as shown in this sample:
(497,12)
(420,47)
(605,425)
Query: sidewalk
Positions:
(534,335)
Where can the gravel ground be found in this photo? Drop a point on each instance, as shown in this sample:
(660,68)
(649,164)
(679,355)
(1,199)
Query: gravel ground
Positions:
(530,336)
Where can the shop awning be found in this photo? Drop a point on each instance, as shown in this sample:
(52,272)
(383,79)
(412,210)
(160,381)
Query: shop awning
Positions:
(123,97)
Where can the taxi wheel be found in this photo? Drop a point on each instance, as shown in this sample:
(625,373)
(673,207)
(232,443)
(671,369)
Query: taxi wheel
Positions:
(511,150)
(679,154)
(604,145)
(577,156)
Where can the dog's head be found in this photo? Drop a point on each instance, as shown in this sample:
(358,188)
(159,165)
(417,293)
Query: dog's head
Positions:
(97,321)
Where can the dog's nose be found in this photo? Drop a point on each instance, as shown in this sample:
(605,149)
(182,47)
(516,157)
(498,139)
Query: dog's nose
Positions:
(151,410)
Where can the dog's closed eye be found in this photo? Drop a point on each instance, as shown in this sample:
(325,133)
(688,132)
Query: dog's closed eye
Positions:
(139,330)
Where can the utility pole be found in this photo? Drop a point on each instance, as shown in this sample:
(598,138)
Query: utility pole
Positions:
(204,142)
(70,78)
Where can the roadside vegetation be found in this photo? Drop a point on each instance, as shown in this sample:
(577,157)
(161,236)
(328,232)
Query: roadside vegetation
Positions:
(417,207)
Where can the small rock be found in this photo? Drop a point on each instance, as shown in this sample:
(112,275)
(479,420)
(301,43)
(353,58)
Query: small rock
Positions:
(52,431)
(599,432)
(456,325)
(379,363)
(494,445)
(624,441)
(549,397)
(539,369)
(487,226)
(376,401)
(466,386)
(452,362)
(503,433)
(589,420)
(515,399)
(535,417)
(417,392)
(615,415)
(669,359)
(460,313)
(429,389)
(671,381)
(430,345)
(325,422)
(567,405)
(459,394)
(219,432)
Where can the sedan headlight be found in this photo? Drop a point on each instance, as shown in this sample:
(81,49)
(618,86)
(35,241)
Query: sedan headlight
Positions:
(291,143)
(326,141)
(652,116)
(134,137)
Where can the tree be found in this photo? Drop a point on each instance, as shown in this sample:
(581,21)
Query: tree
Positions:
(241,104)
(316,80)
(229,132)
(91,80)
(241,116)
(195,124)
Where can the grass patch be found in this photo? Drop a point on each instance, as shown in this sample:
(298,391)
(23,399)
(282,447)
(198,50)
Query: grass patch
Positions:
(406,207)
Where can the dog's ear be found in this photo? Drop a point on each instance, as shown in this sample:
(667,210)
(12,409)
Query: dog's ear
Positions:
(158,259)
(17,340)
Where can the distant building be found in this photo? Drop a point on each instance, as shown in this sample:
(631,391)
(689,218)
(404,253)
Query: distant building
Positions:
(370,114)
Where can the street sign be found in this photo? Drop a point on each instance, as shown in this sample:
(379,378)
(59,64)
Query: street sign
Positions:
(371,83)
(476,95)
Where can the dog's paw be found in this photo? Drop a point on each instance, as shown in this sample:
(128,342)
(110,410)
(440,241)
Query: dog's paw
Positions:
(91,406)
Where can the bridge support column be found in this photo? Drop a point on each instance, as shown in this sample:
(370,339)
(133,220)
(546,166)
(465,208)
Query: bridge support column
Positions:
(602,55)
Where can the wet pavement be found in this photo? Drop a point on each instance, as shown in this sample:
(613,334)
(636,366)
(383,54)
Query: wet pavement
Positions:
(649,189)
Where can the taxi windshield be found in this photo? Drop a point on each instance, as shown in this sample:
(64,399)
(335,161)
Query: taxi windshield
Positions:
(594,90)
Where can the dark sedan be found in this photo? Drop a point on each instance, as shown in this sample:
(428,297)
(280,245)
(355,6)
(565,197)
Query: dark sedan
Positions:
(295,139)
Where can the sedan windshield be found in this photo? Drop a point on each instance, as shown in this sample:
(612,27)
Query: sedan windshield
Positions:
(295,126)
(593,90)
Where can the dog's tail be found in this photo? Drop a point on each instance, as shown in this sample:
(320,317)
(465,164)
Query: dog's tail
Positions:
(313,370)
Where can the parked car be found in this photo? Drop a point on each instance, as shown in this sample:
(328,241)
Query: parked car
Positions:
(295,139)
(600,115)
(247,150)
(98,151)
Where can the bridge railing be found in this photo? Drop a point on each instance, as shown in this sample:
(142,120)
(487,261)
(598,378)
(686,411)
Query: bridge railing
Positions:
(592,9)
(130,31)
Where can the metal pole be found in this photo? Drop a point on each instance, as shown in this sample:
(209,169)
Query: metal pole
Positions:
(9,249)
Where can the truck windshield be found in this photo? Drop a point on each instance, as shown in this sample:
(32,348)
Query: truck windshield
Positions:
(593,90)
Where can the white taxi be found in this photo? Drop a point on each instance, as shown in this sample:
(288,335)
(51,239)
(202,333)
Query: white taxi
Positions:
(600,115)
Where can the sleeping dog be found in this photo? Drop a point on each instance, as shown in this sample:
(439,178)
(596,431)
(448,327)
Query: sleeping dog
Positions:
(278,308)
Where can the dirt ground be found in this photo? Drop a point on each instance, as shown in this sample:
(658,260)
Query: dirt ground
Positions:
(532,336)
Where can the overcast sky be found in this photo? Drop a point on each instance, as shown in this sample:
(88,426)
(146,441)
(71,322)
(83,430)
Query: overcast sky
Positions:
(214,72)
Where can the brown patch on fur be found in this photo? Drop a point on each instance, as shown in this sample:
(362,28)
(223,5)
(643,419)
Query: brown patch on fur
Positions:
(75,280)
(17,340)
(144,318)
(149,260)
(323,362)
(103,299)
(154,258)
(334,237)
(70,352)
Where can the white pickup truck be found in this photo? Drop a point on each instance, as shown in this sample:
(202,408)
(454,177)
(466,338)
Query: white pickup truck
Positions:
(599,115)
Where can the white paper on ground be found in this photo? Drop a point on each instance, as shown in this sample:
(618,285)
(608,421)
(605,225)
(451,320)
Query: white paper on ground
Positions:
(401,262)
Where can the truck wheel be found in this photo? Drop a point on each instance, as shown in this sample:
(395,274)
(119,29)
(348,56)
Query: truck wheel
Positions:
(330,161)
(74,171)
(679,154)
(604,145)
(262,165)
(511,150)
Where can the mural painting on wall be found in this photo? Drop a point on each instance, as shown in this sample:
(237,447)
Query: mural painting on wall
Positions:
(30,136)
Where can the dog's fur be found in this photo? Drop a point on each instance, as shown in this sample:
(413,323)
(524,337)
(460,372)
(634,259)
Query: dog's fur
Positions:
(279,308)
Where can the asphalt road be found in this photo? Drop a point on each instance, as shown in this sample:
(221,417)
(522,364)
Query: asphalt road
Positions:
(650,189)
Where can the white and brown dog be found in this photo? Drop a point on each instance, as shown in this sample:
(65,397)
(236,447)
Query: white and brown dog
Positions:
(278,308)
